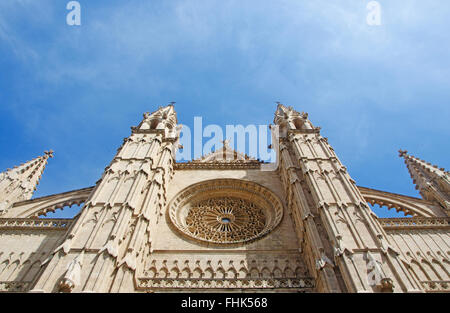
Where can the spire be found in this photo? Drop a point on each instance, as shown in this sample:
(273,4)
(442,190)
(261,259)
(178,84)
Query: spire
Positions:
(287,118)
(432,182)
(164,119)
(19,183)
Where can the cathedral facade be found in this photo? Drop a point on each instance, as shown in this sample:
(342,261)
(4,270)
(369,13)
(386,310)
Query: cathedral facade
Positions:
(219,223)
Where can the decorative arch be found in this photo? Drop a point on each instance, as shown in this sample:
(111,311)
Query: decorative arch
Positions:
(408,205)
(41,206)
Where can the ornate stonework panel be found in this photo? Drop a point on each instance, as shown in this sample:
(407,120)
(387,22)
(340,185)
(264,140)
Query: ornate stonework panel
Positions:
(28,223)
(11,286)
(415,223)
(437,286)
(225,220)
(269,283)
(225,211)
(226,270)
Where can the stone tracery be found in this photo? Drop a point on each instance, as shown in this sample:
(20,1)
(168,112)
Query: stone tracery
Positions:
(225,211)
(225,220)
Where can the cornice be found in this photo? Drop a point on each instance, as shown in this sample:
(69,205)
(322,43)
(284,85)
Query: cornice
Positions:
(415,223)
(217,166)
(35,224)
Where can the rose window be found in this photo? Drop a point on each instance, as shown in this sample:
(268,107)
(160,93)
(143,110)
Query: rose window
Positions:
(225,211)
(225,220)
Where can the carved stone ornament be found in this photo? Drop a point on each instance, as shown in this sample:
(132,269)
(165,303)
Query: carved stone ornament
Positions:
(225,211)
(72,276)
(225,219)
(3,206)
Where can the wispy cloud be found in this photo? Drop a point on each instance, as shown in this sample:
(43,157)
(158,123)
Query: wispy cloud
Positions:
(79,88)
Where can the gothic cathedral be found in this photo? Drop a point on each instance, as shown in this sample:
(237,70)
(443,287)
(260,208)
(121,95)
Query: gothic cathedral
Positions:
(219,223)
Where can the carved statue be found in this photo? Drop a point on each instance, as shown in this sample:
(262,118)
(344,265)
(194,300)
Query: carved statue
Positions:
(72,277)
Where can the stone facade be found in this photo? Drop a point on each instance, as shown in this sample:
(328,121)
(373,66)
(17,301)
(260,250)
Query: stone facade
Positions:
(220,223)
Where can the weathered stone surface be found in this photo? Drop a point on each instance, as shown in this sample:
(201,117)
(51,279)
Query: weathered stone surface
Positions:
(144,225)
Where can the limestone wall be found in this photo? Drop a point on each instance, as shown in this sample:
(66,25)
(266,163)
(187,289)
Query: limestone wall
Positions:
(177,256)
(24,246)
(424,245)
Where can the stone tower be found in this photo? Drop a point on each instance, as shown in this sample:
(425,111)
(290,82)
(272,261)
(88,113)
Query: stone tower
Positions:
(340,235)
(115,229)
(221,223)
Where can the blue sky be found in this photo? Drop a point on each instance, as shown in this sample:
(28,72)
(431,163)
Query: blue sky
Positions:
(78,89)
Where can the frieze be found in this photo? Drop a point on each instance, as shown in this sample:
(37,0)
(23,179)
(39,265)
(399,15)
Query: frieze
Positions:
(218,166)
(26,223)
(419,222)
(192,283)
(436,286)
(13,286)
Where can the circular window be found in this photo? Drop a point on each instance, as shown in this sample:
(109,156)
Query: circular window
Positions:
(225,211)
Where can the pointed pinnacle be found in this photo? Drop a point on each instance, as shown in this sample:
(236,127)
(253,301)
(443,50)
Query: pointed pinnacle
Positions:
(279,103)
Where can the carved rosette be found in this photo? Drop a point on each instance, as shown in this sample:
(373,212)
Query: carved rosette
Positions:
(225,220)
(225,211)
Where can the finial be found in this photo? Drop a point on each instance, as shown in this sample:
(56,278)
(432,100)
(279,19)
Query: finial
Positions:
(226,142)
(49,153)
(172,103)
(402,153)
